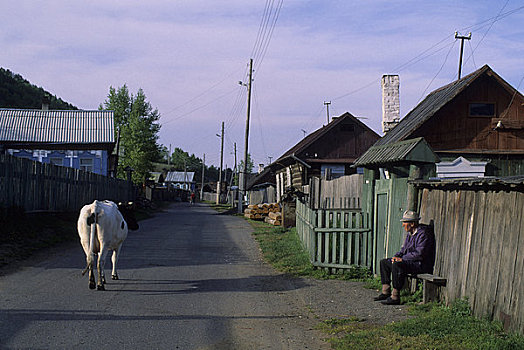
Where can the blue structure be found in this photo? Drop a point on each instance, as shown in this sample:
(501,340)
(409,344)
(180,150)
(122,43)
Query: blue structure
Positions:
(78,139)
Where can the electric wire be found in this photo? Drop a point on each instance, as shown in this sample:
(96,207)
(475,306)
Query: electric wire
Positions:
(495,19)
(440,70)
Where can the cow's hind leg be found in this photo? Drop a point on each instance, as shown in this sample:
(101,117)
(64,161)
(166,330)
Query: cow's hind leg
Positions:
(114,260)
(100,267)
(92,283)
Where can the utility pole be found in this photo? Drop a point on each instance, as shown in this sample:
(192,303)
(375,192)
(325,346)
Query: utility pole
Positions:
(243,174)
(327,103)
(270,159)
(203,169)
(462,38)
(219,185)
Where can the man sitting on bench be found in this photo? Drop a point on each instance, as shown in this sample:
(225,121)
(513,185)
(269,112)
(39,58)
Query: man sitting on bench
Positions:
(417,255)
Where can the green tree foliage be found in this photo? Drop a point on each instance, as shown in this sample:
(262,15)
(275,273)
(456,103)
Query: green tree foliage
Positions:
(181,160)
(138,125)
(250,164)
(16,92)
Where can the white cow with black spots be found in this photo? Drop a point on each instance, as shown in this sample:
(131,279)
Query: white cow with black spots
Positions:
(103,226)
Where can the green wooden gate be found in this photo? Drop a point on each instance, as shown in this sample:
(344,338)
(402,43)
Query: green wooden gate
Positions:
(335,238)
(389,204)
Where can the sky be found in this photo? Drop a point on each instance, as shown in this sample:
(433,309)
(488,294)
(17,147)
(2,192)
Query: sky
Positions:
(191,59)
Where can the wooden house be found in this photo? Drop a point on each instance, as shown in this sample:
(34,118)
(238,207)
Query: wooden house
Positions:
(73,138)
(327,152)
(181,179)
(479,117)
(474,126)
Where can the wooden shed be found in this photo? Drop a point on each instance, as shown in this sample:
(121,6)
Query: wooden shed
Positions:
(386,193)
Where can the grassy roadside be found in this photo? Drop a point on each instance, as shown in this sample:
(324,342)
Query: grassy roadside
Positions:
(432,326)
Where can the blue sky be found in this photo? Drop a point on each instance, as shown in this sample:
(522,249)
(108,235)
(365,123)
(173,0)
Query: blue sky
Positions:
(189,55)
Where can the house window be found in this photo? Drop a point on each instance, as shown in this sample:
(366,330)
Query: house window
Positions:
(56,161)
(86,164)
(481,109)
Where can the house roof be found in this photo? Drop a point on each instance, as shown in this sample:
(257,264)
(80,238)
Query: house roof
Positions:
(414,150)
(433,103)
(509,183)
(179,176)
(56,126)
(314,136)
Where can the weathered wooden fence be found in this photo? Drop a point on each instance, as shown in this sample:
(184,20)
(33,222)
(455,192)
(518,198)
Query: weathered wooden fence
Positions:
(335,238)
(37,186)
(262,195)
(344,192)
(480,249)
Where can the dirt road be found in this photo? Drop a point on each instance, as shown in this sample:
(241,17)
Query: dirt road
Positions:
(190,279)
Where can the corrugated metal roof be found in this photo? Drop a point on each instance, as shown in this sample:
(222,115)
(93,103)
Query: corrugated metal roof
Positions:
(428,107)
(179,176)
(56,126)
(415,150)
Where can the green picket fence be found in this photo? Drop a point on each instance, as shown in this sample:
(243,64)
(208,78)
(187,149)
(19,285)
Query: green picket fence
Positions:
(335,238)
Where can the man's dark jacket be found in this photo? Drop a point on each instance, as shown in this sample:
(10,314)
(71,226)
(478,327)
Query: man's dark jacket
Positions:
(419,249)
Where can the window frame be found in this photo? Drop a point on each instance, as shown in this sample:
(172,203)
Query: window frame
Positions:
(482,115)
(88,168)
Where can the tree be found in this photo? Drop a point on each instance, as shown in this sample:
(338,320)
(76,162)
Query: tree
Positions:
(250,164)
(137,122)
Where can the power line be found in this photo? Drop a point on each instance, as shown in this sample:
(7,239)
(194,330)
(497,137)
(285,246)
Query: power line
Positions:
(486,33)
(200,107)
(442,66)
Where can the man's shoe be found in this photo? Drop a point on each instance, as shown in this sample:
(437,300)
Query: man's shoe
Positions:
(381,297)
(391,301)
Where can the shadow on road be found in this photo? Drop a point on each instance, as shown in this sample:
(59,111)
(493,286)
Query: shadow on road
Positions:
(274,283)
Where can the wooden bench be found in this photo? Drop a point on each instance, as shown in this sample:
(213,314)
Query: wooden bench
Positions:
(430,285)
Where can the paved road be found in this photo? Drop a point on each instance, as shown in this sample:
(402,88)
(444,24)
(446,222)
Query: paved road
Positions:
(190,279)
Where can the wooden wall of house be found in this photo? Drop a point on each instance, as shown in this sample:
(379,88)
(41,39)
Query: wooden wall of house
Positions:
(452,128)
(480,250)
(349,140)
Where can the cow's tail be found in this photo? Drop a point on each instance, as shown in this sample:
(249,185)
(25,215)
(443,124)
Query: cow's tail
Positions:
(92,221)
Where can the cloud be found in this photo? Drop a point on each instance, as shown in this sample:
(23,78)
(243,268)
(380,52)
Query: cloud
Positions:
(188,57)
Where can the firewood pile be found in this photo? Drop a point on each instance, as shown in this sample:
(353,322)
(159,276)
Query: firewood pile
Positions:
(269,212)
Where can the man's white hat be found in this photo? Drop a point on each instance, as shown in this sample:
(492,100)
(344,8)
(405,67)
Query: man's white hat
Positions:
(410,216)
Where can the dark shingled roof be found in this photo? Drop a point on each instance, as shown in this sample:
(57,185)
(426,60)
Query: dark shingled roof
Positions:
(314,136)
(433,103)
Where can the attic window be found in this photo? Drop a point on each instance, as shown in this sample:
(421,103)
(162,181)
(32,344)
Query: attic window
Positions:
(347,127)
(481,109)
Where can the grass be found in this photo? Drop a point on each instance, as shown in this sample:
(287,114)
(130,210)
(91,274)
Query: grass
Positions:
(283,250)
(433,326)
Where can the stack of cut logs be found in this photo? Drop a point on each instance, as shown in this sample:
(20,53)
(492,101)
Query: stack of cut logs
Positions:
(269,212)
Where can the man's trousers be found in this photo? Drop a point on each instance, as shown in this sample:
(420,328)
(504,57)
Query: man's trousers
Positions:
(397,271)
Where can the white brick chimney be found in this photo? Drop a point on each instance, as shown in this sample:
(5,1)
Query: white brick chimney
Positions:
(390,102)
